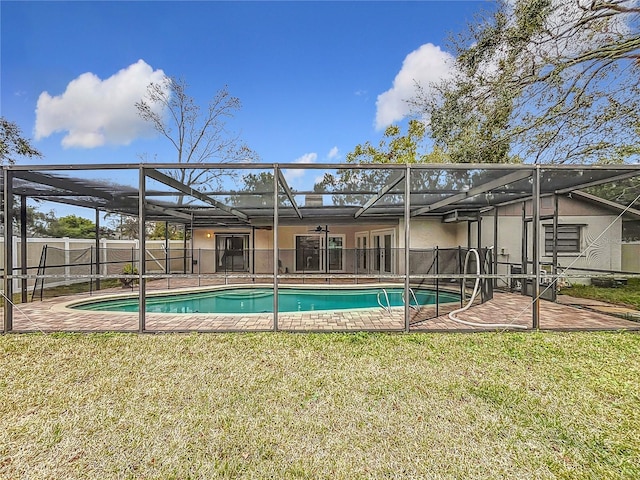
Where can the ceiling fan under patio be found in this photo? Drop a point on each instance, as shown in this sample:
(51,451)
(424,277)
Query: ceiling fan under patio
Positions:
(320,229)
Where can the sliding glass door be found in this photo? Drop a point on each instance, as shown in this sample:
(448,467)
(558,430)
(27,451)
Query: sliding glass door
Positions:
(232,253)
(312,255)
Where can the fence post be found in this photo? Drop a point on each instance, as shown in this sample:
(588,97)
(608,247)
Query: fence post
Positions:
(535,320)
(133,262)
(23,248)
(97,249)
(67,259)
(91,271)
(437,282)
(460,267)
(15,263)
(407,245)
(142,300)
(7,193)
(104,264)
(167,256)
(44,270)
(276,185)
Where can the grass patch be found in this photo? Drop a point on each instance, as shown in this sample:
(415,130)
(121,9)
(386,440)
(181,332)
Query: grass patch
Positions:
(547,405)
(75,288)
(61,290)
(625,295)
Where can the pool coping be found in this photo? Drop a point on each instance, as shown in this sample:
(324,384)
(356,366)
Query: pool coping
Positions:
(67,306)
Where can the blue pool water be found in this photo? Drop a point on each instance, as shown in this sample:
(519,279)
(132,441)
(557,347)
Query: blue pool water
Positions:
(257,300)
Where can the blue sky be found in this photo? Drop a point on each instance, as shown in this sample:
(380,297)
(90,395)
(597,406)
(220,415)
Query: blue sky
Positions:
(314,78)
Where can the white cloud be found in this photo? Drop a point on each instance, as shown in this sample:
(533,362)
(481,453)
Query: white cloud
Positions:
(425,65)
(333,153)
(307,158)
(293,174)
(95,112)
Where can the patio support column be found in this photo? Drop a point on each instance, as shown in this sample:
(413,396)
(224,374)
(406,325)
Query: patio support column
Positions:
(98,269)
(479,247)
(142,301)
(407,245)
(482,281)
(191,248)
(554,267)
(523,250)
(167,257)
(495,246)
(253,252)
(276,172)
(536,247)
(23,247)
(8,250)
(184,249)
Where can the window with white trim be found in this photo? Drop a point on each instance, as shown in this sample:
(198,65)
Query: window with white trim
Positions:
(567,241)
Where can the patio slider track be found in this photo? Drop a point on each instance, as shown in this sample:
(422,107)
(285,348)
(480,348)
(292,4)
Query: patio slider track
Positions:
(372,201)
(181,187)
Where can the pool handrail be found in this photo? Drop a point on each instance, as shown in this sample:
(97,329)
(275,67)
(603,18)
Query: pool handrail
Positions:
(417,306)
(388,307)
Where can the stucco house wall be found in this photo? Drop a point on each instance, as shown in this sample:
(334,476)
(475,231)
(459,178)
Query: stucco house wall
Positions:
(601,251)
(600,235)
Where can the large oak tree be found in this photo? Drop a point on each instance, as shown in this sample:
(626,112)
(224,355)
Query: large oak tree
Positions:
(550,81)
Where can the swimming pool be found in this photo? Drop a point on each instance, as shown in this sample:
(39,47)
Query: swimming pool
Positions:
(260,300)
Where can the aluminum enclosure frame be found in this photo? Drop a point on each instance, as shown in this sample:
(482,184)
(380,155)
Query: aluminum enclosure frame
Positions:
(426,190)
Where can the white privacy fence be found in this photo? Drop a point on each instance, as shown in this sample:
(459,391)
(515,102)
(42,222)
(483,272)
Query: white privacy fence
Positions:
(65,258)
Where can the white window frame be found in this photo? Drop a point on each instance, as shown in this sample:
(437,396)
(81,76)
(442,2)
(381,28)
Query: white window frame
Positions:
(383,232)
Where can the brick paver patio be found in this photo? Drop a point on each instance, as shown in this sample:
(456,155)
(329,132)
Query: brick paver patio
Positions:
(52,315)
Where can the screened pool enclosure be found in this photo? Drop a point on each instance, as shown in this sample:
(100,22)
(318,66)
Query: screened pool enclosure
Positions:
(429,245)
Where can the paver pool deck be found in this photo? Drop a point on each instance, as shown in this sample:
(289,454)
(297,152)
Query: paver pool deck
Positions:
(505,308)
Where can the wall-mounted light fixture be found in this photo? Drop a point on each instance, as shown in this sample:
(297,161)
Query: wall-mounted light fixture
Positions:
(208,234)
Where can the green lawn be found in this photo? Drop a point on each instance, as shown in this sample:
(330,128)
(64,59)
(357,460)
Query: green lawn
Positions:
(626,295)
(345,406)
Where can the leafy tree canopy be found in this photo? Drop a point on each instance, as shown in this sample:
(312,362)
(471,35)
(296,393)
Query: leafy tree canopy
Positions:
(542,80)
(71,226)
(255,189)
(394,147)
(159,230)
(13,144)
